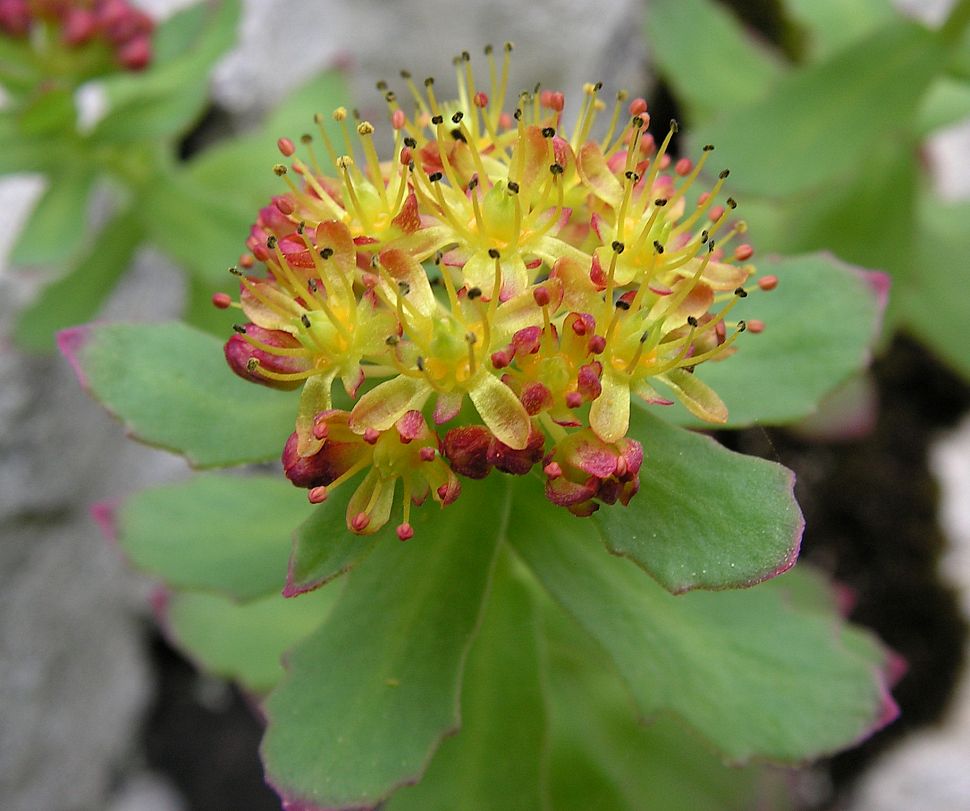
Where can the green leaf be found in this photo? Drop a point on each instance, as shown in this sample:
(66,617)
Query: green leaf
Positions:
(708,58)
(833,25)
(496,760)
(59,221)
(20,153)
(368,698)
(171,387)
(228,534)
(934,302)
(746,669)
(167,98)
(602,757)
(244,642)
(819,122)
(820,323)
(946,103)
(202,230)
(705,517)
(76,297)
(323,547)
(49,113)
(243,167)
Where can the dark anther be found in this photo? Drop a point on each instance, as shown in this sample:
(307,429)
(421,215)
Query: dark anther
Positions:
(644,337)
(598,86)
(740,292)
(617,246)
(513,187)
(271,242)
(405,74)
(252,365)
(473,183)
(732,203)
(279,170)
(466,56)
(674,126)
(660,202)
(318,118)
(410,142)
(474,293)
(704,237)
(306,138)
(312,285)
(488,49)
(437,119)
(471,338)
(434,177)
(517,114)
(548,132)
(493,253)
(742,326)
(622,304)
(457,117)
(724,173)
(392,340)
(301,228)
(692,321)
(708,147)
(438,257)
(235,271)
(404,287)
(390,96)
(239,328)
(381,85)
(429,81)
(658,247)
(305,320)
(326,253)
(557,169)
(637,122)
(508,47)
(419,362)
(456,134)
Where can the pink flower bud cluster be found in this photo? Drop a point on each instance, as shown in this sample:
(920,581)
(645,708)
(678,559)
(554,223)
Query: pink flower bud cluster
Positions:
(490,296)
(116,25)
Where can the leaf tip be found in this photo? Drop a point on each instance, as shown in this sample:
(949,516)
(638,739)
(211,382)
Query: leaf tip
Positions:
(105,516)
(70,342)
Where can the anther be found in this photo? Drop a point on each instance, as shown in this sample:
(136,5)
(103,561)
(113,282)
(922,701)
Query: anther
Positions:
(597,344)
(637,107)
(636,122)
(221,300)
(617,246)
(732,203)
(471,338)
(724,173)
(743,252)
(306,138)
(658,247)
(279,170)
(767,283)
(371,435)
(271,242)
(405,74)
(392,340)
(674,126)
(285,146)
(660,202)
(326,253)
(557,168)
(429,81)
(740,292)
(237,272)
(493,253)
(692,321)
(359,522)
(552,470)
(239,328)
(365,128)
(381,85)
(708,147)
(472,184)
(317,495)
(305,320)
(622,304)
(405,532)
(434,177)
(548,132)
(252,365)
(756,326)
(457,117)
(427,454)
(513,187)
(742,326)
(437,119)
(474,293)
(419,362)
(541,296)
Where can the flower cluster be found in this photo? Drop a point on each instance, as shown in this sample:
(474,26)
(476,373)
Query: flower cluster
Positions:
(108,31)
(511,283)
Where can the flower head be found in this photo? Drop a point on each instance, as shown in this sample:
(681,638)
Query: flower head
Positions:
(507,282)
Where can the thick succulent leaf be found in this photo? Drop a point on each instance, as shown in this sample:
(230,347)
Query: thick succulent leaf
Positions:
(705,517)
(220,533)
(729,69)
(58,223)
(243,642)
(747,669)
(171,387)
(496,760)
(323,547)
(831,25)
(76,297)
(934,303)
(820,323)
(368,698)
(602,757)
(167,98)
(806,134)
(219,168)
